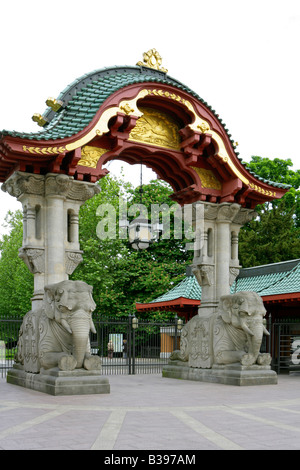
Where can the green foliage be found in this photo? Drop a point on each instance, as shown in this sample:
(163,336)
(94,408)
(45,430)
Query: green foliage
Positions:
(16,282)
(274,235)
(120,275)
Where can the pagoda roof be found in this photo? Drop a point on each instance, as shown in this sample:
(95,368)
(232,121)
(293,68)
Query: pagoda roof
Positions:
(138,114)
(80,101)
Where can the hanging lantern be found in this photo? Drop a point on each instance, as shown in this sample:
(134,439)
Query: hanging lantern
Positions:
(140,233)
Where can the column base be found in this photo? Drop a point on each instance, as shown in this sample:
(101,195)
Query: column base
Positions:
(233,374)
(59,382)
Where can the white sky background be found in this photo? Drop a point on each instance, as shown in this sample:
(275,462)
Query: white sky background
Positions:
(242,57)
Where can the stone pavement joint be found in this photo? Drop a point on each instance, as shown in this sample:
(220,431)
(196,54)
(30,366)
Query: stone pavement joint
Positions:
(108,435)
(208,433)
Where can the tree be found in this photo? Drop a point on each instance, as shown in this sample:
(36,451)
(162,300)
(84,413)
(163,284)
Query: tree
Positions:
(16,282)
(274,235)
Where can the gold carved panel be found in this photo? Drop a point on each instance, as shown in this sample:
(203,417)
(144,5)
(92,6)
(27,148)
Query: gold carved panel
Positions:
(90,156)
(208,179)
(156,128)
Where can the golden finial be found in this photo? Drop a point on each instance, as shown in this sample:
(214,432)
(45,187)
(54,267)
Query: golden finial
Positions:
(39,119)
(153,60)
(54,104)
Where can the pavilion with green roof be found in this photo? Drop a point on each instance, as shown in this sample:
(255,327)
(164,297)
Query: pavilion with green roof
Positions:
(278,284)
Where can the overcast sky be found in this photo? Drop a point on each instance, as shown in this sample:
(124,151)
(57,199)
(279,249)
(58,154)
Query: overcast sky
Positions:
(242,57)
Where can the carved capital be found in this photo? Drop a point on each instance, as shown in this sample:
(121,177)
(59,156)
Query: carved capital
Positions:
(227,212)
(81,191)
(24,183)
(34,258)
(204,274)
(57,185)
(72,260)
(233,273)
(244,216)
(66,186)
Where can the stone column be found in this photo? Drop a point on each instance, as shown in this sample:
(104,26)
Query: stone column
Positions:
(51,206)
(225,216)
(215,265)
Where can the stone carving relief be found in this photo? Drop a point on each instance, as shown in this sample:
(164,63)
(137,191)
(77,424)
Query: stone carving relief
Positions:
(34,258)
(19,184)
(57,335)
(204,274)
(233,273)
(73,259)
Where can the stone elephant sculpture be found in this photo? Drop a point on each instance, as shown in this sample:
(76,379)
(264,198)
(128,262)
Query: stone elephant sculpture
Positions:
(239,328)
(232,335)
(60,330)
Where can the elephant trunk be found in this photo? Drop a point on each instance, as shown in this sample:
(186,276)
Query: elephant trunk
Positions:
(257,330)
(80,326)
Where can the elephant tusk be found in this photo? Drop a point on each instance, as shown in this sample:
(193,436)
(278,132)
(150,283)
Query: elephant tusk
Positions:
(266,332)
(92,326)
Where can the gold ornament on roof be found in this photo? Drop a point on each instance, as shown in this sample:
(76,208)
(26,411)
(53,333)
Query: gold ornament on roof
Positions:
(153,60)
(39,119)
(54,104)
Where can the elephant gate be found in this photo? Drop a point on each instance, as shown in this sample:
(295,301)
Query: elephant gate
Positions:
(137,114)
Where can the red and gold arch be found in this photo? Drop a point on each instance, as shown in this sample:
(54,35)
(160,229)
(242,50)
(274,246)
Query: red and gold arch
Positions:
(155,122)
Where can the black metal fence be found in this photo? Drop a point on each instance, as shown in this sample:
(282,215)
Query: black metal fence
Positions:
(138,346)
(9,333)
(143,347)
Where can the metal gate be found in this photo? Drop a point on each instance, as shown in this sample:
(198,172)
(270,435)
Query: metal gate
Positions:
(139,346)
(286,347)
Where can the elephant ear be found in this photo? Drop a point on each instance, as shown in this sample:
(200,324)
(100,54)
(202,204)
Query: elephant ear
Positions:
(50,302)
(225,307)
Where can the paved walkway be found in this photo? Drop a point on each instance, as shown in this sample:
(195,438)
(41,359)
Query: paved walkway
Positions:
(150,412)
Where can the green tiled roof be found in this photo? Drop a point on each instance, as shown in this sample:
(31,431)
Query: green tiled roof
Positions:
(187,288)
(273,279)
(83,97)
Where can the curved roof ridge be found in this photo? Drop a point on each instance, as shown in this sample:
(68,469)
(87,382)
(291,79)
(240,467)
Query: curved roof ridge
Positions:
(84,95)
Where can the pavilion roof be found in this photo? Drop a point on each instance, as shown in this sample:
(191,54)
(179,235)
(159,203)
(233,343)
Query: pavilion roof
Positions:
(277,281)
(274,280)
(187,293)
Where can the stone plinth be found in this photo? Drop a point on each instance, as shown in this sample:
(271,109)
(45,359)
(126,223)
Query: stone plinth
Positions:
(58,382)
(233,374)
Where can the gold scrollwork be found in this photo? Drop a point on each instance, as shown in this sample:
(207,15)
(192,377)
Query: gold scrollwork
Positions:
(262,190)
(44,150)
(90,156)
